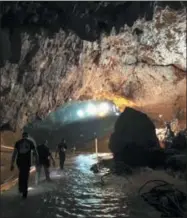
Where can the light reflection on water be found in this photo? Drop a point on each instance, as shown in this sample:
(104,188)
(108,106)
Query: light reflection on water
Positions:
(77,195)
(73,193)
(77,192)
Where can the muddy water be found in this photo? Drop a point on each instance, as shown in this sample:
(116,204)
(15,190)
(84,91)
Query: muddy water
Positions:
(77,192)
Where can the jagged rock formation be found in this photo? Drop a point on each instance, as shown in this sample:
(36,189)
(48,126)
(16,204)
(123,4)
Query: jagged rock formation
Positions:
(56,51)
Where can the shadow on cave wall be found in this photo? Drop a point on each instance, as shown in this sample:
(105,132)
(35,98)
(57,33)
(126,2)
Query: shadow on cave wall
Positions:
(87,19)
(134,140)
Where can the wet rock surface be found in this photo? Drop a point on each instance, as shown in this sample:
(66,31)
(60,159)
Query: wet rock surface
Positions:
(56,51)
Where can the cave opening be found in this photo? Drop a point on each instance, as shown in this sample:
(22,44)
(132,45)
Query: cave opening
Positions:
(84,71)
(79,122)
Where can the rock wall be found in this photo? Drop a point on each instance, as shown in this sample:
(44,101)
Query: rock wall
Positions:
(56,51)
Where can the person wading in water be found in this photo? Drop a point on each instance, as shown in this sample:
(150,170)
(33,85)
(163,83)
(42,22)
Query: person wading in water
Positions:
(61,151)
(22,154)
(44,161)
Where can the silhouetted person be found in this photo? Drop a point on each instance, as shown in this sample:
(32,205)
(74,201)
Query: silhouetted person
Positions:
(44,161)
(61,151)
(22,155)
(169,136)
(73,149)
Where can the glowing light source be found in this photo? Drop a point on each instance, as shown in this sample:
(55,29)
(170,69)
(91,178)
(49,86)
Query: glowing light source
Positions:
(102,114)
(118,100)
(91,109)
(104,107)
(80,113)
(114,108)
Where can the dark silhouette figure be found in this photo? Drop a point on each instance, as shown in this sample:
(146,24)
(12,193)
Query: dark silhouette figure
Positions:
(22,155)
(169,136)
(44,161)
(61,151)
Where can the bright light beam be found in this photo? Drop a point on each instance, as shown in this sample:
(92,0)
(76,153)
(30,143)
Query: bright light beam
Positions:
(104,107)
(91,109)
(80,113)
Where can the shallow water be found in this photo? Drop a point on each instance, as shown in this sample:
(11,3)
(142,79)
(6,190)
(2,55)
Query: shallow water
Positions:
(77,192)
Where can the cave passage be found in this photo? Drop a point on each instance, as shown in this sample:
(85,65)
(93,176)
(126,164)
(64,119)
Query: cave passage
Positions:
(78,122)
(51,52)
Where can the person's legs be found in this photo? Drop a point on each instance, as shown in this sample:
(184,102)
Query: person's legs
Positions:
(38,173)
(46,171)
(20,181)
(25,179)
(62,160)
(61,164)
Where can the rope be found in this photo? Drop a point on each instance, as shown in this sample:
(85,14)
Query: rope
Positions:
(165,198)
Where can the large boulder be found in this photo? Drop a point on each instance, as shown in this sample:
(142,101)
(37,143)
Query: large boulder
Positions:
(134,140)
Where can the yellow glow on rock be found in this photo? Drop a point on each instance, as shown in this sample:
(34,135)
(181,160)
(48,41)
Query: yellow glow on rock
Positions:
(119,101)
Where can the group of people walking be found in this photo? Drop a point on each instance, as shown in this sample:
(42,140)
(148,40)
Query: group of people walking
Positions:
(42,155)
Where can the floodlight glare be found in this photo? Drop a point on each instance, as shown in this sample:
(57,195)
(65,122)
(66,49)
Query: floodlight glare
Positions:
(104,108)
(80,113)
(114,108)
(102,114)
(91,109)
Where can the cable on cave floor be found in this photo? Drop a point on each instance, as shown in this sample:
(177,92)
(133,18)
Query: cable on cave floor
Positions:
(165,198)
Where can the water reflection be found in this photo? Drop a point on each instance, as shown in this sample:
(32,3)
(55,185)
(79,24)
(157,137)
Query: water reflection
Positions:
(75,192)
(77,195)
